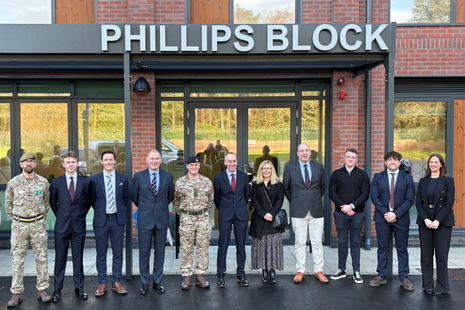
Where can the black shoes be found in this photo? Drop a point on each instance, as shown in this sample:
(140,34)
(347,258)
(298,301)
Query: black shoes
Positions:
(242,280)
(220,281)
(144,289)
(56,296)
(264,276)
(158,288)
(273,276)
(80,293)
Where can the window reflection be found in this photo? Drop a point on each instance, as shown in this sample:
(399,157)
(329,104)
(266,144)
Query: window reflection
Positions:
(313,126)
(420,11)
(5,158)
(264,12)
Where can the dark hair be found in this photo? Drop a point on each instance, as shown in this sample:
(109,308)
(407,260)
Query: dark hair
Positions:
(108,152)
(392,154)
(352,151)
(71,154)
(442,170)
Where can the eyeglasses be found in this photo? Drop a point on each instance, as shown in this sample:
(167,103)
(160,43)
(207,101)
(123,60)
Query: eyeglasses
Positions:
(266,168)
(231,161)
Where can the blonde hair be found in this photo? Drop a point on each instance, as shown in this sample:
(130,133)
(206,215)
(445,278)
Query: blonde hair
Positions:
(259,178)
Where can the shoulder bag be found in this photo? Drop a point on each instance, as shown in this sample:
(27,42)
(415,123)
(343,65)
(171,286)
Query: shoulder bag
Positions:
(280,219)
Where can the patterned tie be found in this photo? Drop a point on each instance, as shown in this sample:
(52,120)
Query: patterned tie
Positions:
(307,177)
(154,184)
(71,189)
(110,196)
(391,200)
(233,182)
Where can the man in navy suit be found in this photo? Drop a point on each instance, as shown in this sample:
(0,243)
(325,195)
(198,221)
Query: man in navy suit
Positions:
(110,194)
(392,194)
(70,201)
(152,192)
(231,195)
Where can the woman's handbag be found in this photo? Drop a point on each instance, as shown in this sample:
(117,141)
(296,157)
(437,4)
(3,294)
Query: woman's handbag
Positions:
(280,220)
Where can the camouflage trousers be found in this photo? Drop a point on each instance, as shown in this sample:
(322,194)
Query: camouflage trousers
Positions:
(194,228)
(21,235)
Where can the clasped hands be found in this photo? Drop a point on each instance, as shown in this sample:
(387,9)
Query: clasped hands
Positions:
(432,224)
(347,209)
(268,217)
(390,217)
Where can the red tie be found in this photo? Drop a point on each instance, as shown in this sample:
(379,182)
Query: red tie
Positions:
(71,189)
(391,200)
(233,182)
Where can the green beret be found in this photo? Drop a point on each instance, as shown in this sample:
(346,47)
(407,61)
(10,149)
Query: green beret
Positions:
(27,156)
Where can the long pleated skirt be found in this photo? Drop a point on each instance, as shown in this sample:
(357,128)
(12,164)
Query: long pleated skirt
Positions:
(267,253)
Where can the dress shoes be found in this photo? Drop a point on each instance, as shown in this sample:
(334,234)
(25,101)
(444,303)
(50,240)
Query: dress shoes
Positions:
(429,291)
(377,281)
(220,281)
(15,300)
(405,283)
(201,281)
(242,280)
(264,276)
(118,288)
(320,276)
(144,289)
(158,288)
(44,296)
(186,283)
(299,276)
(56,296)
(101,290)
(272,277)
(80,293)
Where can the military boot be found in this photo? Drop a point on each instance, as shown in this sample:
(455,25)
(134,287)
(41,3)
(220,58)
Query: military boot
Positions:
(201,281)
(44,296)
(15,300)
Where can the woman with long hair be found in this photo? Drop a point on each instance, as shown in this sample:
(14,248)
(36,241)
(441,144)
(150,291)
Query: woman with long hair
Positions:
(435,198)
(267,243)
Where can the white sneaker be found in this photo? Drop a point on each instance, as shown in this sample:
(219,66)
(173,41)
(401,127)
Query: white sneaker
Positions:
(357,277)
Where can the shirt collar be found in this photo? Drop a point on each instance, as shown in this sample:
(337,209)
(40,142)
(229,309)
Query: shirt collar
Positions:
(157,173)
(69,176)
(302,164)
(110,174)
(395,172)
(229,173)
(350,169)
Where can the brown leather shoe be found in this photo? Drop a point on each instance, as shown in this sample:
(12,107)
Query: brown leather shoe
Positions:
(119,288)
(201,281)
(321,277)
(101,290)
(186,283)
(298,277)
(44,296)
(15,300)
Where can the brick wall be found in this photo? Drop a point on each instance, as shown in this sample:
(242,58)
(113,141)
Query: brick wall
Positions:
(169,12)
(319,11)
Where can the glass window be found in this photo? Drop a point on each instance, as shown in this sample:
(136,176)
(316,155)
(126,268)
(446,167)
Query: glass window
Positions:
(313,128)
(242,89)
(100,128)
(26,12)
(264,12)
(172,134)
(5,162)
(420,11)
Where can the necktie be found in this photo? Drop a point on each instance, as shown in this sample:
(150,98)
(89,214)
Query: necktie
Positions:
(233,182)
(110,196)
(391,200)
(154,183)
(71,189)
(307,177)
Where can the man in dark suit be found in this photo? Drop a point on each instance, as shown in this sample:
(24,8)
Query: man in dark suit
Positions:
(266,156)
(392,194)
(110,194)
(231,195)
(304,186)
(152,192)
(70,201)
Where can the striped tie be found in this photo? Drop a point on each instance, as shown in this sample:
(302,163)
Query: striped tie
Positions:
(110,196)
(154,184)
(307,177)
(71,189)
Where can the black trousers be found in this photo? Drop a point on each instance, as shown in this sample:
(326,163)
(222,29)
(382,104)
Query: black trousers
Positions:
(240,236)
(435,242)
(344,225)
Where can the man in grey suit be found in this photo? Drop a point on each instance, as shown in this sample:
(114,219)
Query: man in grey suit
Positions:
(152,192)
(304,186)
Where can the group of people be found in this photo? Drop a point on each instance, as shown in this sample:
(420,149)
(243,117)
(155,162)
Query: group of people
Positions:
(28,198)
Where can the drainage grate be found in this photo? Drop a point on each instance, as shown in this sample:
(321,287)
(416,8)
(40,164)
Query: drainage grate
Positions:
(455,274)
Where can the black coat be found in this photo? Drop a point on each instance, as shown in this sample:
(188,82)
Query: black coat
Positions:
(261,207)
(444,200)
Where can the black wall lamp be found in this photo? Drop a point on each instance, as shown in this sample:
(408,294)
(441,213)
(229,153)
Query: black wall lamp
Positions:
(141,85)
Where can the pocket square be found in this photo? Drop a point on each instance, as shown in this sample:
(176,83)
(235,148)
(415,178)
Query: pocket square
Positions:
(120,184)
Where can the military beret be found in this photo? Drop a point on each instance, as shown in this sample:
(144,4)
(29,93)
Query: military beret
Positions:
(192,159)
(27,156)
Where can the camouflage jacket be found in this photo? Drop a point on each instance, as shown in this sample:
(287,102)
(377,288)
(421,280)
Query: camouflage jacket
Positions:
(27,199)
(192,195)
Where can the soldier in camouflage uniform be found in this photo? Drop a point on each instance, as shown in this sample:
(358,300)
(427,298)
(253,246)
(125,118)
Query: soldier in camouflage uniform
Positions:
(193,197)
(27,203)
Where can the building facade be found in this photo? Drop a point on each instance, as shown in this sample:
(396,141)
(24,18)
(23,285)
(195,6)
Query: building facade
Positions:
(233,76)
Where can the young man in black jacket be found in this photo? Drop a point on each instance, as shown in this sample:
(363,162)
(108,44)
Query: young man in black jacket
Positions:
(349,189)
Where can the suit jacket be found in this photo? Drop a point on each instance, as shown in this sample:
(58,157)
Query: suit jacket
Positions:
(99,198)
(443,201)
(404,194)
(228,202)
(153,209)
(70,213)
(301,198)
(261,159)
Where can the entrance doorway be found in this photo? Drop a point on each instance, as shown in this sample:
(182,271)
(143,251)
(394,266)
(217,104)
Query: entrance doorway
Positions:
(254,131)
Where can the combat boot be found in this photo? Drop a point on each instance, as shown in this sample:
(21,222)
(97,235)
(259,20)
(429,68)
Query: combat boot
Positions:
(201,281)
(15,300)
(44,296)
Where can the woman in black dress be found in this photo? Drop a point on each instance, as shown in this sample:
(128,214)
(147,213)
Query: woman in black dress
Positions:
(267,242)
(435,198)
